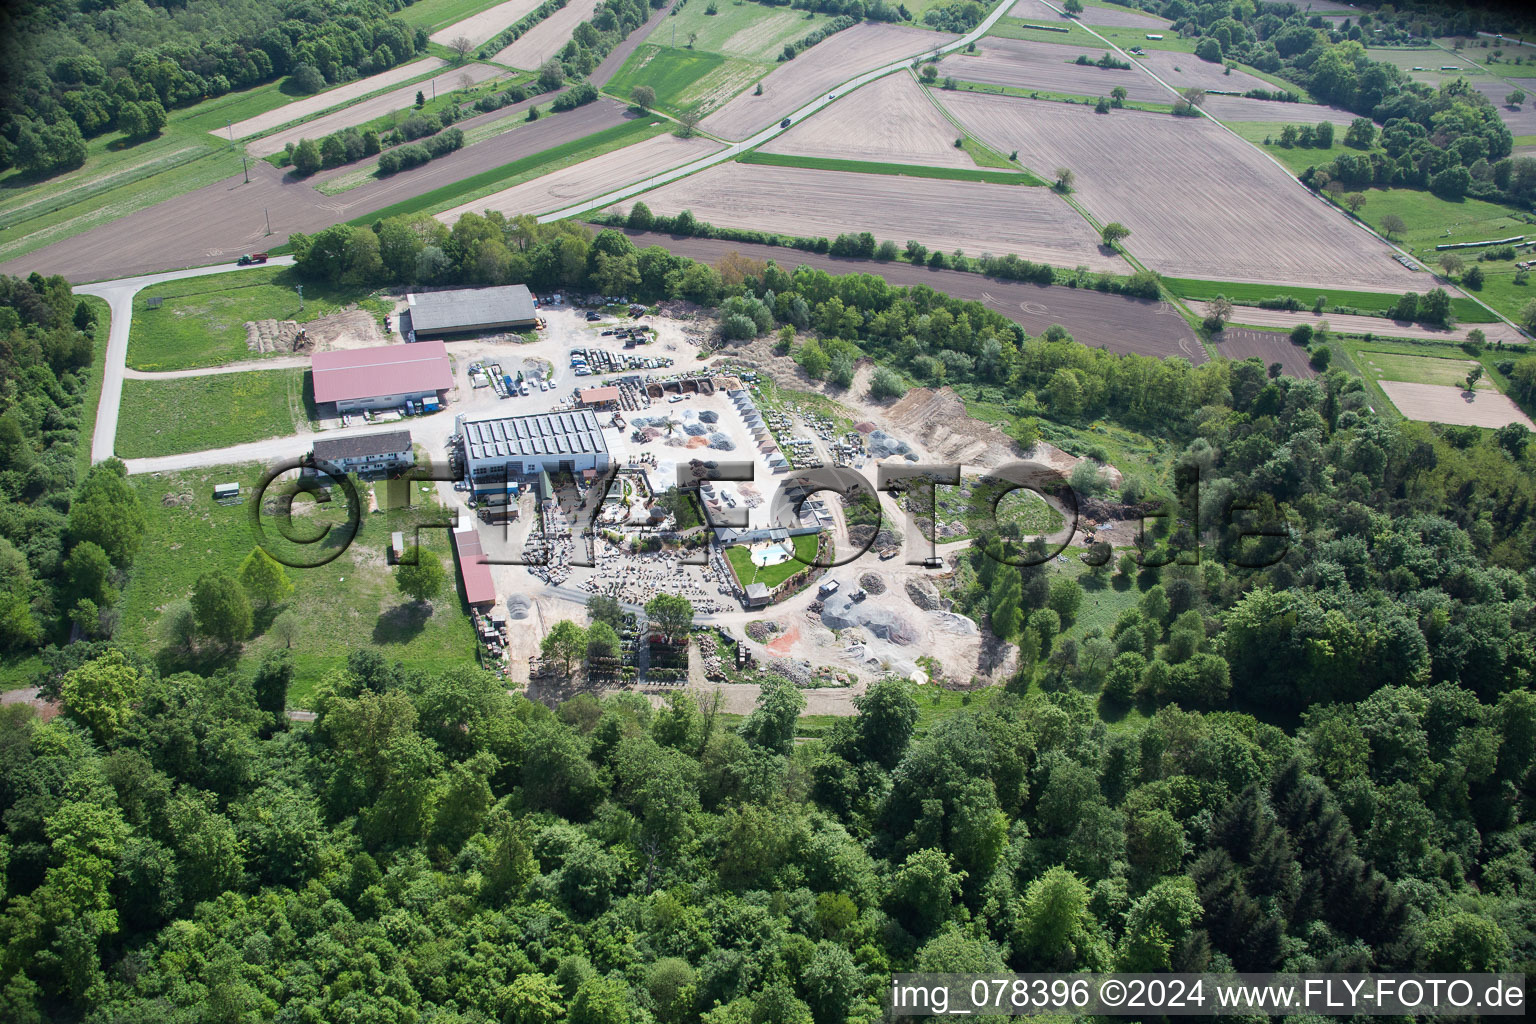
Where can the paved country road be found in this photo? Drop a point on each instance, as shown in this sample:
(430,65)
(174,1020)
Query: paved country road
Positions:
(119,296)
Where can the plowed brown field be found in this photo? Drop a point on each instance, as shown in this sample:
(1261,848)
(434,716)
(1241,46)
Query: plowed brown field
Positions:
(1199,201)
(1048,67)
(833,60)
(977,218)
(889,121)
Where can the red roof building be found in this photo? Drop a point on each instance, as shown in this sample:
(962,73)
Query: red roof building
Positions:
(478,587)
(598,396)
(382,377)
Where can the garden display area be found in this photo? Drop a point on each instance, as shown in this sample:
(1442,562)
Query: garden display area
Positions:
(748,571)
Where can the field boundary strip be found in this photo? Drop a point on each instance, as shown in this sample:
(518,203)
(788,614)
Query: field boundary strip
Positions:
(979,174)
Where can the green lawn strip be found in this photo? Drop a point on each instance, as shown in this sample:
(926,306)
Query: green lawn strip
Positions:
(191,414)
(1025,508)
(1501,292)
(347,604)
(1419,369)
(1126,37)
(1366,303)
(1058,97)
(770,576)
(1295,159)
(1433,221)
(907,170)
(534,165)
(201,320)
(363,173)
(1043,31)
(436,14)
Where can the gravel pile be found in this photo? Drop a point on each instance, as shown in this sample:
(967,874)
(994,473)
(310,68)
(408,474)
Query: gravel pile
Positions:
(720,442)
(695,429)
(841,612)
(709,416)
(872,583)
(924,594)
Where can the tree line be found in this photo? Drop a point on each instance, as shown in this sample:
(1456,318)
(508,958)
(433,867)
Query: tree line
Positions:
(77,69)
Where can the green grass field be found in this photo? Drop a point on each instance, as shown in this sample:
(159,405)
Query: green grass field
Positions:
(1434,221)
(1297,158)
(738,28)
(435,14)
(201,321)
(93,394)
(1026,28)
(345,605)
(1416,369)
(771,575)
(1369,303)
(532,166)
(191,414)
(995,177)
(685,81)
(1024,508)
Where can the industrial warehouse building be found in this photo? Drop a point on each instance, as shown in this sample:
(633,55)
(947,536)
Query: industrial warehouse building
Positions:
(461,310)
(367,453)
(499,449)
(383,377)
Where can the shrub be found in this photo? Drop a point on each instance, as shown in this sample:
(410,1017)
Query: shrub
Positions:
(576,96)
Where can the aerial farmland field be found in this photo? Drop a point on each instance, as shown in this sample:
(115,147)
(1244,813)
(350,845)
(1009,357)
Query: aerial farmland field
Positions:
(1032,222)
(545,39)
(482,27)
(888,121)
(1437,403)
(795,83)
(589,178)
(1222,211)
(313,105)
(1048,67)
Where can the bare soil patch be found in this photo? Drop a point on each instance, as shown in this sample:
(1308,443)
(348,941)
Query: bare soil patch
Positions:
(825,65)
(1048,67)
(1199,201)
(330,98)
(353,328)
(1521,121)
(483,27)
(589,178)
(1185,70)
(1270,346)
(1436,403)
(1241,108)
(888,121)
(546,38)
(362,113)
(978,218)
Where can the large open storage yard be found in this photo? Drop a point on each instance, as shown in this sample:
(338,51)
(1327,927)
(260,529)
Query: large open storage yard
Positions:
(889,121)
(589,178)
(1048,67)
(367,110)
(482,27)
(308,107)
(1199,201)
(1437,403)
(825,65)
(546,38)
(1033,222)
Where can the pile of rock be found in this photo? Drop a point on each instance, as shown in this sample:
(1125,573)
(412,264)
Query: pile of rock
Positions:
(761,630)
(872,582)
(709,654)
(924,594)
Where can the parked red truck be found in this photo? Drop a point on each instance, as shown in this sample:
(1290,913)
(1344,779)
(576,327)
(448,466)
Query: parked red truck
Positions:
(255,257)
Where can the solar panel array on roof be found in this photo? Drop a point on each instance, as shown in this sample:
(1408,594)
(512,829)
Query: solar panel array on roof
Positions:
(536,436)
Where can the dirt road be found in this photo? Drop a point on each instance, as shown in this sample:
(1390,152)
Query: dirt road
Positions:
(1096,319)
(228,218)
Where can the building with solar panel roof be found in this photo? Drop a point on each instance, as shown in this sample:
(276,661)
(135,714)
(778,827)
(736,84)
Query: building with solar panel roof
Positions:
(499,450)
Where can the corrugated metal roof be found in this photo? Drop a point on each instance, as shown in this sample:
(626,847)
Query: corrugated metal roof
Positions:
(468,308)
(538,435)
(391,442)
(380,371)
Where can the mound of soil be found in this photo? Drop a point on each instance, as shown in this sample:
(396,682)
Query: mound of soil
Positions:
(872,583)
(924,594)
